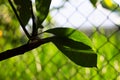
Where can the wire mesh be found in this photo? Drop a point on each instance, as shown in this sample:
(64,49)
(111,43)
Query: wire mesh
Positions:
(48,63)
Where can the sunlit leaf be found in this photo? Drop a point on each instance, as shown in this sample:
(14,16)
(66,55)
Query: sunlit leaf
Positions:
(71,34)
(70,43)
(23,8)
(85,58)
(42,7)
(93,2)
(109,4)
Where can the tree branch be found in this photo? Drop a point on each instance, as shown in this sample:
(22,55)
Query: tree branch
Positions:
(24,48)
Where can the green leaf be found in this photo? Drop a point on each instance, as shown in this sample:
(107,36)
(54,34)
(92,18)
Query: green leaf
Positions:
(81,58)
(42,7)
(72,34)
(93,2)
(109,4)
(63,41)
(75,45)
(85,58)
(23,8)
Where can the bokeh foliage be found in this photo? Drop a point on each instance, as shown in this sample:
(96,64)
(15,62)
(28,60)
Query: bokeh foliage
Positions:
(47,62)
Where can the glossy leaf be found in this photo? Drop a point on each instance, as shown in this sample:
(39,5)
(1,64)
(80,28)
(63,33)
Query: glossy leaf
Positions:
(85,58)
(109,4)
(70,43)
(23,8)
(93,2)
(75,45)
(71,34)
(42,7)
(81,58)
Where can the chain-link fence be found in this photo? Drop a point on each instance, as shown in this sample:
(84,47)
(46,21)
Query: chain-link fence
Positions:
(48,63)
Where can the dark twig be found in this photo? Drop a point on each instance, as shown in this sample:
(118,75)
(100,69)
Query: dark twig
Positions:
(23,27)
(24,48)
(34,27)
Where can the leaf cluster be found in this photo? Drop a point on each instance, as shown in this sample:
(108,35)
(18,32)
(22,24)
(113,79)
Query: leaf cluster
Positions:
(71,42)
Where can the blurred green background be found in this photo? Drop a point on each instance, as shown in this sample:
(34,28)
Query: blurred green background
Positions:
(47,62)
